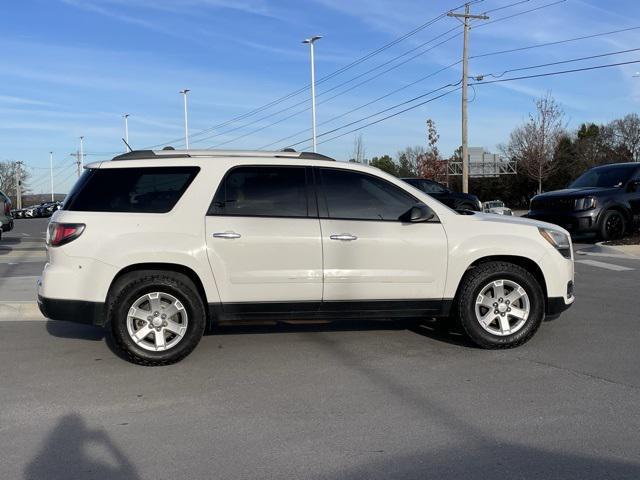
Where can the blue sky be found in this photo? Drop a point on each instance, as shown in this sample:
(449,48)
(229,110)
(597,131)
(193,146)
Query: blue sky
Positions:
(73,67)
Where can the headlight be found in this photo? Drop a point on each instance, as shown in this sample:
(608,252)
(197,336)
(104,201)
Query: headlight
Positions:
(560,241)
(586,203)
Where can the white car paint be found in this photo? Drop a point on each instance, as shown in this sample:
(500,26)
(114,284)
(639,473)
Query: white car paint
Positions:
(290,259)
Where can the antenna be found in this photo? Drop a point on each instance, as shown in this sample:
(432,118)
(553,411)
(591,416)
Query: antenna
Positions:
(128,146)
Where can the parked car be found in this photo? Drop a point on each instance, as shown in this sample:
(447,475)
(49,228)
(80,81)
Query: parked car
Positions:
(604,201)
(6,220)
(47,209)
(455,200)
(158,246)
(496,206)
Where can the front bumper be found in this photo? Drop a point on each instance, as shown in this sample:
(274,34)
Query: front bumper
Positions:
(77,311)
(584,222)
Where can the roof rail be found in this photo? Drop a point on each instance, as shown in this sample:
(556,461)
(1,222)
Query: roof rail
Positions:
(154,154)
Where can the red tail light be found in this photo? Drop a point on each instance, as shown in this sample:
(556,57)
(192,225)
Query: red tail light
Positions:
(61,233)
(7,208)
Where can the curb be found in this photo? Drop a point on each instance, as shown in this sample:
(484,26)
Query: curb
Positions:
(20,312)
(618,249)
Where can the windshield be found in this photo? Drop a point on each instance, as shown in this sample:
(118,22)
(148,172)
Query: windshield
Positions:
(604,177)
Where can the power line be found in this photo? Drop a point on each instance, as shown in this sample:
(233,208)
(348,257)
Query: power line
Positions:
(590,57)
(327,91)
(500,19)
(558,42)
(361,83)
(456,63)
(561,72)
(323,79)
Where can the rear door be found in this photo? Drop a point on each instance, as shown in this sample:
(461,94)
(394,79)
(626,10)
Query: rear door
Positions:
(263,240)
(368,253)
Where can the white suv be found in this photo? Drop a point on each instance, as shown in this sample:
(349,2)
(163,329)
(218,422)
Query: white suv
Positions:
(158,246)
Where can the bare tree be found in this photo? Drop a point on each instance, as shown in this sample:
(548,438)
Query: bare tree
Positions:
(627,133)
(409,161)
(359,152)
(8,179)
(533,144)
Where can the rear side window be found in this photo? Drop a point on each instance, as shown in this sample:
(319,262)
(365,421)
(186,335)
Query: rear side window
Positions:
(357,196)
(262,191)
(133,190)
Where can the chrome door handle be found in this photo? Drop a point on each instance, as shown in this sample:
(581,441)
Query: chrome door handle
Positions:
(229,235)
(344,237)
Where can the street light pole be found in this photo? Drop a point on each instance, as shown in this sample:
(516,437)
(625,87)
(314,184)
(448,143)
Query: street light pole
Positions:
(51,173)
(186,118)
(311,42)
(126,131)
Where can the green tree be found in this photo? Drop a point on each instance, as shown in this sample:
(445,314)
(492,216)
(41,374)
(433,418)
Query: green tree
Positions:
(385,163)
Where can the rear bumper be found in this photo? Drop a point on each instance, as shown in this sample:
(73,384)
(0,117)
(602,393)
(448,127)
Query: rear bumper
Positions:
(78,311)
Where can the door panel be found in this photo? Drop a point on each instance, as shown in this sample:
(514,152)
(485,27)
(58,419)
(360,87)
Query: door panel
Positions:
(263,237)
(273,260)
(388,261)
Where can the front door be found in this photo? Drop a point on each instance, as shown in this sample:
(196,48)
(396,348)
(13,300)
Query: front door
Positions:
(369,255)
(263,240)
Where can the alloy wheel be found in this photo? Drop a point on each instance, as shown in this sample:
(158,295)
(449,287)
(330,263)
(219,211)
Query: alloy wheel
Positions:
(157,321)
(502,307)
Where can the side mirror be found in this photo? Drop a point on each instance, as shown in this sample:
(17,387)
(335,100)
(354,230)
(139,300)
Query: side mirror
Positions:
(418,213)
(633,185)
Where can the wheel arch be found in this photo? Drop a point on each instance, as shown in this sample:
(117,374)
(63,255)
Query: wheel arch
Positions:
(617,207)
(524,262)
(164,267)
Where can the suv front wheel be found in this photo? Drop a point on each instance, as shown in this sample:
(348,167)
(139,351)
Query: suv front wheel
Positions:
(156,318)
(500,305)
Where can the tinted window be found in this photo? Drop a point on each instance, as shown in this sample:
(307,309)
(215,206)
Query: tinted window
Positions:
(139,190)
(429,187)
(262,192)
(353,195)
(605,177)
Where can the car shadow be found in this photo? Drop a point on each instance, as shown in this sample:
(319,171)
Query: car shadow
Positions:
(66,453)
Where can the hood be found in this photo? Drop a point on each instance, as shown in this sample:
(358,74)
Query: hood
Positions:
(575,192)
(512,220)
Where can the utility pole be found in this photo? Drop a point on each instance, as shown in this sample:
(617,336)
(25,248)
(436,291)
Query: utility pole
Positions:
(186,121)
(126,131)
(78,163)
(81,158)
(19,185)
(51,173)
(466,16)
(311,42)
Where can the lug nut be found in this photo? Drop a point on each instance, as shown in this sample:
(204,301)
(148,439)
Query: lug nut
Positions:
(502,314)
(508,309)
(163,316)
(500,300)
(149,318)
(164,324)
(495,311)
(155,314)
(507,302)
(495,304)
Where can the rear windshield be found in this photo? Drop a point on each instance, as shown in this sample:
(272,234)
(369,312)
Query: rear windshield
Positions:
(134,190)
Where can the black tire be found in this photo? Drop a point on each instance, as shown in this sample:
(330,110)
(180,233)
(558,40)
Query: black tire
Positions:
(613,225)
(471,286)
(131,287)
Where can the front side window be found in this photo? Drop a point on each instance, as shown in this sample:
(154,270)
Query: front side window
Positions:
(132,190)
(429,187)
(262,191)
(358,196)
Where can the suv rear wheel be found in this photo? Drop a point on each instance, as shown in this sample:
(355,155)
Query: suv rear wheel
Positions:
(500,305)
(156,318)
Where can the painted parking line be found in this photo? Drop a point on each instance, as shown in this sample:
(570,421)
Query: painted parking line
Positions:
(608,255)
(607,266)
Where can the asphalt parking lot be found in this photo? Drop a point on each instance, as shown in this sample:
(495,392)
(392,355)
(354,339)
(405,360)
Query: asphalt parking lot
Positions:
(351,401)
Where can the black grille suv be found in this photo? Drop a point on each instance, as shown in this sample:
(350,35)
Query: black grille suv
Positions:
(553,204)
